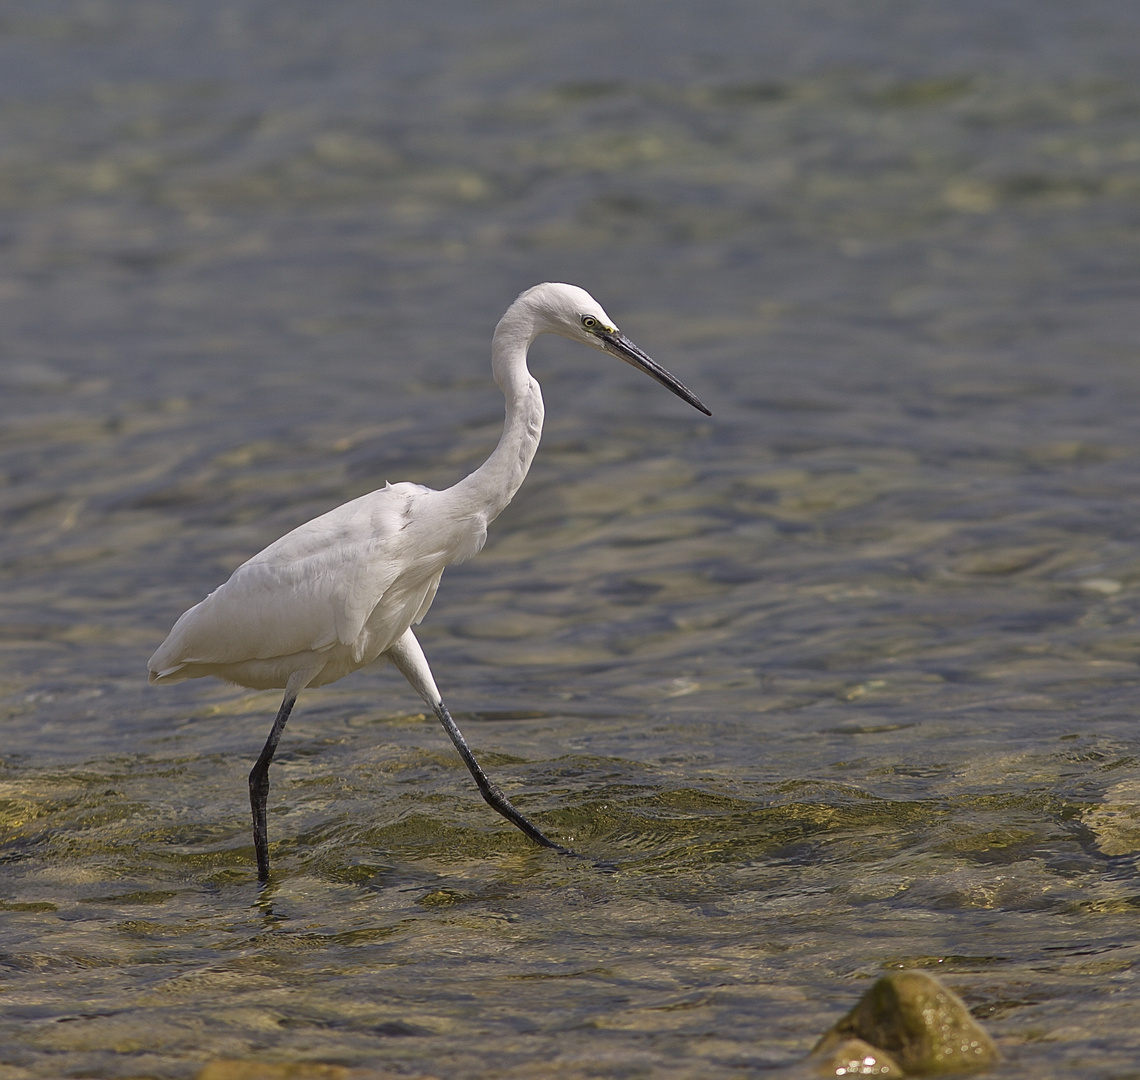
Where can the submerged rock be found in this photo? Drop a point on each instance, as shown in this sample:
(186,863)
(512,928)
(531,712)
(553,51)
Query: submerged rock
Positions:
(268,1070)
(1115,823)
(923,1025)
(853,1057)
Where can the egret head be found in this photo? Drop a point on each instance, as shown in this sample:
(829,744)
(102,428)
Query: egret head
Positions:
(573,313)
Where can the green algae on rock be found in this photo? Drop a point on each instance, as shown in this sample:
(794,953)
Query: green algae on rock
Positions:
(922,1024)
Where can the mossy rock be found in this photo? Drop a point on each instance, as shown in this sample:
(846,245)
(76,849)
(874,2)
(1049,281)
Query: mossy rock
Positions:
(920,1023)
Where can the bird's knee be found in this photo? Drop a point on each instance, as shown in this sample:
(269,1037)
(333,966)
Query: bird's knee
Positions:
(258,783)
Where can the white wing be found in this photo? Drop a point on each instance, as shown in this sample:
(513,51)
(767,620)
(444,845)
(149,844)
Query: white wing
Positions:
(319,585)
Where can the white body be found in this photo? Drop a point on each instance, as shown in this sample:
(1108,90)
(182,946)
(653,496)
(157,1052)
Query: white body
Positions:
(343,589)
(332,595)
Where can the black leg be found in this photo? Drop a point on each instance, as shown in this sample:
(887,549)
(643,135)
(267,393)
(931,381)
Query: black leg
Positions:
(259,787)
(487,788)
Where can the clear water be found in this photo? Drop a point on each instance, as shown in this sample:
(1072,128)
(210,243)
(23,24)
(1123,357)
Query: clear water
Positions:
(842,679)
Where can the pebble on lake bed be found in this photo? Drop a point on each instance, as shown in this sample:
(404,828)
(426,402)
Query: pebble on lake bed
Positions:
(925,1027)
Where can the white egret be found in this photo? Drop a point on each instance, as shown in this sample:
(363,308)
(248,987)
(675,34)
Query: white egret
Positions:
(345,589)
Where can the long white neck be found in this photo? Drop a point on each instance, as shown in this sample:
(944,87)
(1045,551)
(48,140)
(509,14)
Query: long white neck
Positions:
(492,486)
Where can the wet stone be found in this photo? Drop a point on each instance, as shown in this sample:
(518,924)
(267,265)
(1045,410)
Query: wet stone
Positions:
(853,1057)
(923,1025)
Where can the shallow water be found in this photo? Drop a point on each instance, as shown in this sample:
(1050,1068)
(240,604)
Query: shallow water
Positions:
(840,680)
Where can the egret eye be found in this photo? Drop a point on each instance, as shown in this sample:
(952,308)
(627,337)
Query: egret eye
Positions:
(589,322)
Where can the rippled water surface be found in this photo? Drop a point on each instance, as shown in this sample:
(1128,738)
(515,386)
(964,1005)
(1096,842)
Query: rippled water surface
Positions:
(842,679)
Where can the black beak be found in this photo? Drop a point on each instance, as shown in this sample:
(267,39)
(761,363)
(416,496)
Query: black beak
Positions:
(617,344)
